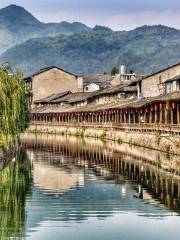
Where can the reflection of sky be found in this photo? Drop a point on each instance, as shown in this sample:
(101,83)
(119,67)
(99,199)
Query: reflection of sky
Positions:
(126,227)
(99,210)
(118,14)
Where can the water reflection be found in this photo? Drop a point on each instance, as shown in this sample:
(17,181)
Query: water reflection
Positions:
(157,174)
(73,188)
(15,179)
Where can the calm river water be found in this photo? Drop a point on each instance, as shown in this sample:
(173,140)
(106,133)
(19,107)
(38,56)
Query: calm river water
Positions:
(84,189)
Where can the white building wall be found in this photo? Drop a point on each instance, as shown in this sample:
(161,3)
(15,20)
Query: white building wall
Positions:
(92,87)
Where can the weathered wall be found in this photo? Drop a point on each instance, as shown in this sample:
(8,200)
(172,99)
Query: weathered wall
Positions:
(150,84)
(54,81)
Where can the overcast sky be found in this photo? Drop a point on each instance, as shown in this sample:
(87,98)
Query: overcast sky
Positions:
(117,14)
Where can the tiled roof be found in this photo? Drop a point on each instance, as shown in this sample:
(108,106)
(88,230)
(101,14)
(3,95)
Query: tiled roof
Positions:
(47,69)
(97,78)
(53,97)
(162,70)
(126,104)
(68,97)
(73,97)
(115,89)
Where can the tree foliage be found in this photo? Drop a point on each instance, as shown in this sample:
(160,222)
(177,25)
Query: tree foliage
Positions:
(14,109)
(145,50)
(114,71)
(15,182)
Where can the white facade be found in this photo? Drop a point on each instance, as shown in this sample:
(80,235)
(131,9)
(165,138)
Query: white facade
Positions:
(123,76)
(92,87)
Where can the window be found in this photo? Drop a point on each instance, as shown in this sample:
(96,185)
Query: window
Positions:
(178,85)
(86,88)
(169,87)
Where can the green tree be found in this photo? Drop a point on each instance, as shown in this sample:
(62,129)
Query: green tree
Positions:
(14,107)
(114,71)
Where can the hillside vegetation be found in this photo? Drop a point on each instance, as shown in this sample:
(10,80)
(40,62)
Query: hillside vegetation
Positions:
(144,50)
(28,44)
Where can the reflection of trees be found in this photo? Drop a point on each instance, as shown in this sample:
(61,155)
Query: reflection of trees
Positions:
(15,182)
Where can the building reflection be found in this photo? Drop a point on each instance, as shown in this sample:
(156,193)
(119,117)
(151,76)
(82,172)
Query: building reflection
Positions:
(55,180)
(68,179)
(157,180)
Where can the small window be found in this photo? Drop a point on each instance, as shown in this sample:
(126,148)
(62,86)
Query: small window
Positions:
(86,88)
(177,85)
(169,87)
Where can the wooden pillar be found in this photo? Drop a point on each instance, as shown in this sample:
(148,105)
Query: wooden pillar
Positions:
(160,116)
(129,117)
(96,118)
(178,117)
(90,117)
(115,120)
(112,117)
(102,117)
(139,115)
(134,117)
(124,117)
(156,116)
(109,117)
(116,117)
(150,116)
(105,117)
(121,117)
(146,115)
(172,117)
(166,115)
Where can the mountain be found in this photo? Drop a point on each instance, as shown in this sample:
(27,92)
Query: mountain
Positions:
(18,25)
(102,29)
(144,50)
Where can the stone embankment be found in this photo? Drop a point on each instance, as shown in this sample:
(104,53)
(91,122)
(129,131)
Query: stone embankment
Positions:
(162,141)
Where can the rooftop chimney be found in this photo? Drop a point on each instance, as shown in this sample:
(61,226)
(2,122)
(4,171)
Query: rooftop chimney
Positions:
(122,69)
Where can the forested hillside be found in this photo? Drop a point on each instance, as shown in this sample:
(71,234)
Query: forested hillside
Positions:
(144,50)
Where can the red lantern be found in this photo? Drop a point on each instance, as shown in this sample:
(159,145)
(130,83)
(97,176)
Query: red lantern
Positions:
(173,105)
(155,106)
(160,105)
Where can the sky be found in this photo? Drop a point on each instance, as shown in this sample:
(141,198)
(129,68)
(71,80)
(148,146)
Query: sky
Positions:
(117,14)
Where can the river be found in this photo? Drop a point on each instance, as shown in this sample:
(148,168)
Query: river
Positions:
(72,188)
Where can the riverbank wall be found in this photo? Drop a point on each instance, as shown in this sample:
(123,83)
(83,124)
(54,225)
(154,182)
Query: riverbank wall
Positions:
(157,140)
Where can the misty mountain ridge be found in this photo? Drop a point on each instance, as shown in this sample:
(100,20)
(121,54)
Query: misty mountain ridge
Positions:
(145,49)
(18,25)
(32,45)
